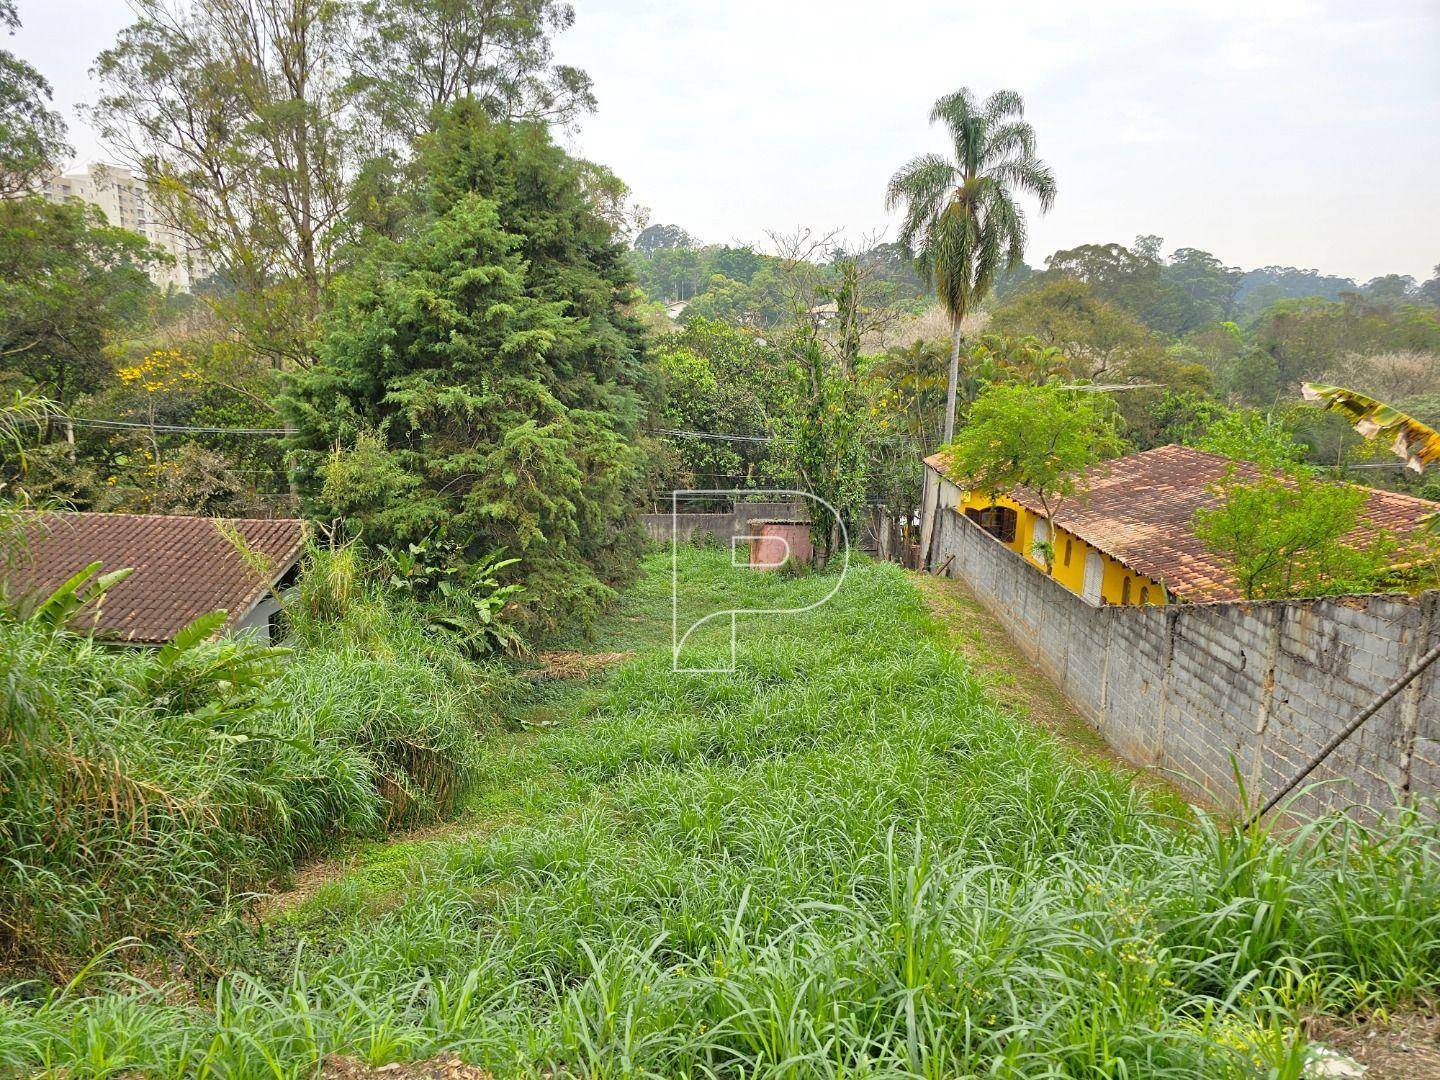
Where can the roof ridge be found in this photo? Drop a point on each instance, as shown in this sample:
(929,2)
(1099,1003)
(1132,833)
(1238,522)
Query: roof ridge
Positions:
(1138,509)
(184,565)
(120,515)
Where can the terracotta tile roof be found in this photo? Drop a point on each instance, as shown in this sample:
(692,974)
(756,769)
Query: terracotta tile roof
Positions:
(184,567)
(1140,510)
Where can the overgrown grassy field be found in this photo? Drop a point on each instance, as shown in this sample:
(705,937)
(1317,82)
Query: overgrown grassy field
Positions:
(842,860)
(142,790)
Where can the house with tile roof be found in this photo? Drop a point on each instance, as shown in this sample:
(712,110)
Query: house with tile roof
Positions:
(1130,537)
(183,567)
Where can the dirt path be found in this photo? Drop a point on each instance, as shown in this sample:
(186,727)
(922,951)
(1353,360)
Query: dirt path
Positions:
(576,671)
(1014,682)
(1402,1044)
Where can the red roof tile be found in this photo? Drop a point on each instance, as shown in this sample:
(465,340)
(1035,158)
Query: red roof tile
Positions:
(184,567)
(1140,510)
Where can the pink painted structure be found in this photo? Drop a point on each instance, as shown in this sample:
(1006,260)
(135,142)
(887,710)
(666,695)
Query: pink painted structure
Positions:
(772,542)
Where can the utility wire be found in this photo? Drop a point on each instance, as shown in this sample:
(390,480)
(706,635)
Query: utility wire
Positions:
(711,435)
(176,429)
(1108,388)
(135,425)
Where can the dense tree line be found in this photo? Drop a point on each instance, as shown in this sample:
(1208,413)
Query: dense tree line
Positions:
(418,327)
(439,307)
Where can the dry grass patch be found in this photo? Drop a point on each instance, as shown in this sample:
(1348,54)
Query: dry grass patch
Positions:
(572,664)
(447,1067)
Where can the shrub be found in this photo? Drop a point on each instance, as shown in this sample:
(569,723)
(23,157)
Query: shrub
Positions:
(138,790)
(1287,536)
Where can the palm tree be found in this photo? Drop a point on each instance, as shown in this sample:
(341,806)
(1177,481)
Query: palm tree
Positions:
(961,219)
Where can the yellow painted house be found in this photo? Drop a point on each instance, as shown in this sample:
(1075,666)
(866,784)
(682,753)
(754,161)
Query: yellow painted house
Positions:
(1080,567)
(1130,539)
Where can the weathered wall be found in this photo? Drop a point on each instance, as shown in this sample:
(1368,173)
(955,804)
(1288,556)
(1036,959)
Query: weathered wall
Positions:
(777,541)
(1186,687)
(721,526)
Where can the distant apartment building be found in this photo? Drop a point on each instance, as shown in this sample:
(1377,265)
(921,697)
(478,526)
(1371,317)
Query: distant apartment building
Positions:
(122,197)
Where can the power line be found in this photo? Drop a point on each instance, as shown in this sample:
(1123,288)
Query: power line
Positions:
(179,429)
(1109,388)
(169,429)
(712,435)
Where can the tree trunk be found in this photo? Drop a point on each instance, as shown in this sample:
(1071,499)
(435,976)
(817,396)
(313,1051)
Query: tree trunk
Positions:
(954,379)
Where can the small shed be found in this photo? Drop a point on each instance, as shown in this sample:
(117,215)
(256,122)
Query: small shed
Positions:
(776,539)
(184,567)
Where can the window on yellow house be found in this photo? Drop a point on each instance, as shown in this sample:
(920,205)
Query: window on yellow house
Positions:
(1069,549)
(1144,594)
(998,521)
(1125,592)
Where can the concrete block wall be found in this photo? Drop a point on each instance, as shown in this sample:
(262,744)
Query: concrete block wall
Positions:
(1199,691)
(723,527)
(684,526)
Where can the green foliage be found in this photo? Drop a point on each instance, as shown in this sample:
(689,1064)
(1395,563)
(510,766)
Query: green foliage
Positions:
(84,588)
(32,135)
(22,418)
(1250,435)
(237,118)
(908,387)
(464,597)
(962,218)
(1192,290)
(141,789)
(419,56)
(759,303)
(657,238)
(68,283)
(482,380)
(824,442)
(1174,417)
(275,138)
(144,469)
(1101,339)
(780,873)
(364,598)
(1293,535)
(1041,438)
(1297,340)
(718,378)
(905,392)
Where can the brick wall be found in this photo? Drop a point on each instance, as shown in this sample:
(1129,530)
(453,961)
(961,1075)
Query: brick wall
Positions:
(1189,689)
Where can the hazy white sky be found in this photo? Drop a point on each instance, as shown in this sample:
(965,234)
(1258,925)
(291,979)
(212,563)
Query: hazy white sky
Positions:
(1299,132)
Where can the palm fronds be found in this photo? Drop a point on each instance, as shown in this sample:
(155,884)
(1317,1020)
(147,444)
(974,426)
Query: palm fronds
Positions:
(962,222)
(961,219)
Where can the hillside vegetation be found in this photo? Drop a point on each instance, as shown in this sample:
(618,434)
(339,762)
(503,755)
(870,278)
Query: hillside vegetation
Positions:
(841,860)
(140,790)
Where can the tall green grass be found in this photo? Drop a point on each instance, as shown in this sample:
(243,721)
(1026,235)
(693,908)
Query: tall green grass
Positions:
(136,796)
(842,860)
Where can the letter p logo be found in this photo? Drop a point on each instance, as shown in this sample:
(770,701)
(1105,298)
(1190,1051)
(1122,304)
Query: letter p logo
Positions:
(755,545)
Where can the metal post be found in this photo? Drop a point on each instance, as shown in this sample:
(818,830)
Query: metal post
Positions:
(1350,729)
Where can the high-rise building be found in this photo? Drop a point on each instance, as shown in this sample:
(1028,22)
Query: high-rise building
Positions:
(122,198)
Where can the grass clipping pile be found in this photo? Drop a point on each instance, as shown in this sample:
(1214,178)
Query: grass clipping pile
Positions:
(448,1067)
(570,664)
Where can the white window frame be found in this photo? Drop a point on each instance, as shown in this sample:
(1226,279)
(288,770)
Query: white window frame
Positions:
(1040,533)
(1097,594)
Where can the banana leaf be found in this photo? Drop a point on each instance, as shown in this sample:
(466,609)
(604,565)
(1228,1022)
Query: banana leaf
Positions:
(1414,443)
